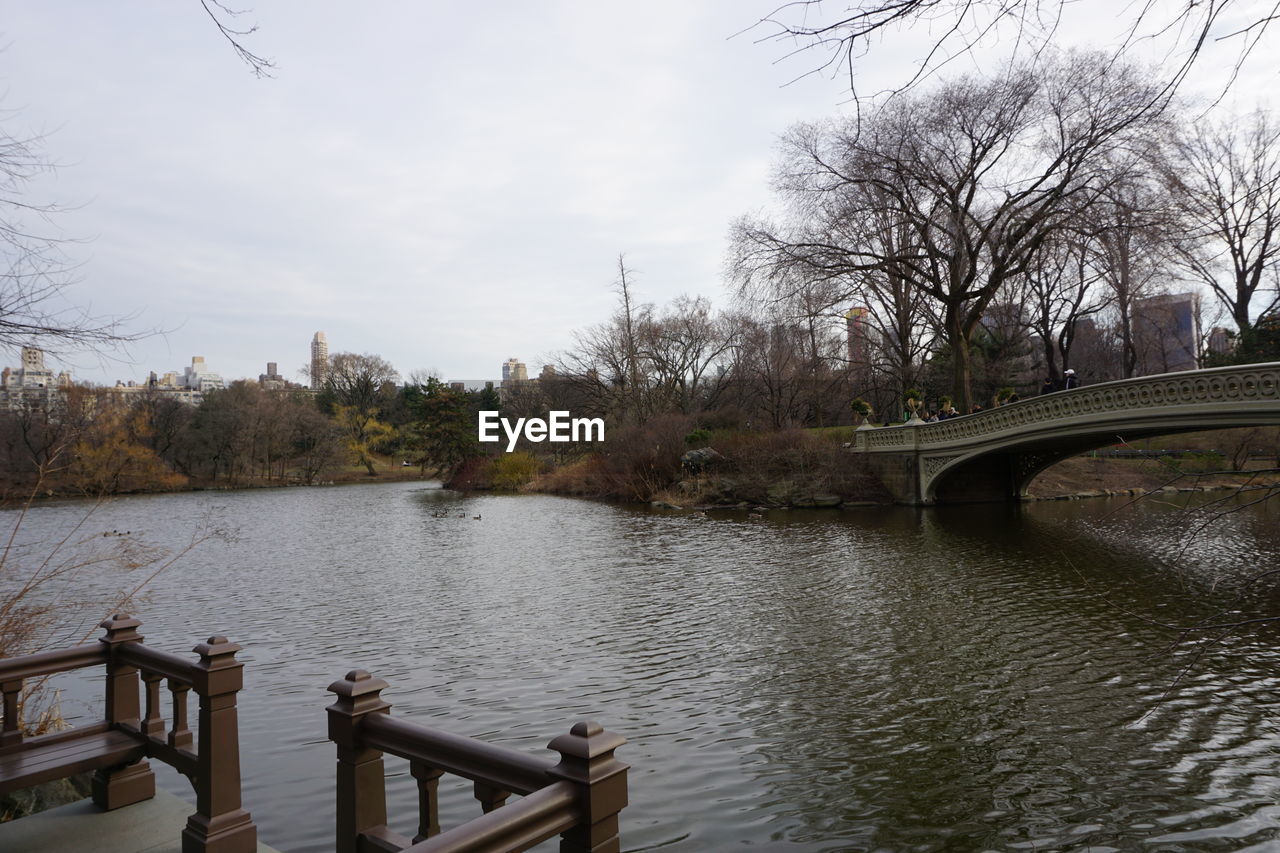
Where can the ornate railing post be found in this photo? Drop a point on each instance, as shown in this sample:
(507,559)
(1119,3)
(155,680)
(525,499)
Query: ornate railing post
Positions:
(428,800)
(586,759)
(11,733)
(135,783)
(362,793)
(219,825)
(179,735)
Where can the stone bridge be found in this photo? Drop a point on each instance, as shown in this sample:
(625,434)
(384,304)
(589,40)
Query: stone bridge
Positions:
(995,454)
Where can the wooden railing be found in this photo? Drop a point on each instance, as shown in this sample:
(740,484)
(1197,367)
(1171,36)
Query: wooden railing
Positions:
(116,747)
(578,798)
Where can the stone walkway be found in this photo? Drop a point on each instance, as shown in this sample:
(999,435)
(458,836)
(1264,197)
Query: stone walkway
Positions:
(154,826)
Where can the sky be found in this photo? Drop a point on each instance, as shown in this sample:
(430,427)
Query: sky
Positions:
(442,186)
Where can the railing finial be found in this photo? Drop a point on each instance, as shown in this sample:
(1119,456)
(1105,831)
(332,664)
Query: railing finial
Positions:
(120,628)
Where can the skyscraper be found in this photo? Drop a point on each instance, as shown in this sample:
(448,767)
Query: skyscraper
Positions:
(855,320)
(319,360)
(1166,333)
(514,370)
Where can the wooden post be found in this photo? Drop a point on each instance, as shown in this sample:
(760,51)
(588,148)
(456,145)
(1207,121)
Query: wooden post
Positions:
(362,792)
(153,722)
(113,788)
(11,734)
(219,825)
(490,798)
(586,759)
(179,735)
(428,799)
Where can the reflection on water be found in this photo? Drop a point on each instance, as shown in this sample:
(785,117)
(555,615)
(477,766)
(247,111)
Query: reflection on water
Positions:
(891,679)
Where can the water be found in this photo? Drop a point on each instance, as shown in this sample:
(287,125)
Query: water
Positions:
(971,678)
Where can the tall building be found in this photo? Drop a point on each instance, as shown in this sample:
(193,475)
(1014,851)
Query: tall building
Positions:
(855,320)
(1166,333)
(1219,340)
(514,370)
(32,382)
(319,360)
(198,377)
(272,379)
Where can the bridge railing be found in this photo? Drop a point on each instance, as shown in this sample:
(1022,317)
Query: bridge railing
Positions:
(1219,386)
(578,798)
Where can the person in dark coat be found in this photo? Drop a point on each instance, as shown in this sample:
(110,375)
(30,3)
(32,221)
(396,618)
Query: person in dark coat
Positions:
(1069,380)
(1047,387)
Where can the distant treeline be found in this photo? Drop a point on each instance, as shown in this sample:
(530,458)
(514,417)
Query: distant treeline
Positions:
(96,441)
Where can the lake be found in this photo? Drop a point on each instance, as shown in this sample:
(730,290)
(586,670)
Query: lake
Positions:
(958,678)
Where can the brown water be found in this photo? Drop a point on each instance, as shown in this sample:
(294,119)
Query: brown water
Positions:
(981,678)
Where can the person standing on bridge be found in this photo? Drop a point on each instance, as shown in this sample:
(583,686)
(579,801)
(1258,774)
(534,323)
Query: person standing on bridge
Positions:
(1069,380)
(1047,387)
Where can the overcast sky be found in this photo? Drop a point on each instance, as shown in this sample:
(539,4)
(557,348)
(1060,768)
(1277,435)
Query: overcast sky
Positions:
(441,184)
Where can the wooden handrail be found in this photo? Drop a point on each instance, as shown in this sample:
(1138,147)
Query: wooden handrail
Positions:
(497,766)
(168,665)
(50,663)
(543,814)
(578,798)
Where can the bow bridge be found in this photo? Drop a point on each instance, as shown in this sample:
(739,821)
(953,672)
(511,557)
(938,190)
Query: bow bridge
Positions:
(993,455)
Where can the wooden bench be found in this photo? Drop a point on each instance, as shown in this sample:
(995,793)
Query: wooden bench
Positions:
(116,749)
(57,756)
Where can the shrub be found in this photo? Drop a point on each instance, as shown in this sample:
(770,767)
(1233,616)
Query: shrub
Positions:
(813,462)
(639,461)
(698,438)
(584,477)
(510,471)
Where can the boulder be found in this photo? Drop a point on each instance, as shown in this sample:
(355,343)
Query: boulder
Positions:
(700,459)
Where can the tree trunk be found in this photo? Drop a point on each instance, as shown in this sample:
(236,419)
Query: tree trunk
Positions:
(961,367)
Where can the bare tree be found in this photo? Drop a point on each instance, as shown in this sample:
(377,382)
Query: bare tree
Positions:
(979,172)
(34,268)
(682,346)
(838,35)
(359,379)
(1061,291)
(220,14)
(645,361)
(1132,241)
(767,377)
(602,368)
(1224,182)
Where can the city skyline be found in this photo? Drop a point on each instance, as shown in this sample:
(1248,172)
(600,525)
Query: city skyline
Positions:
(308,375)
